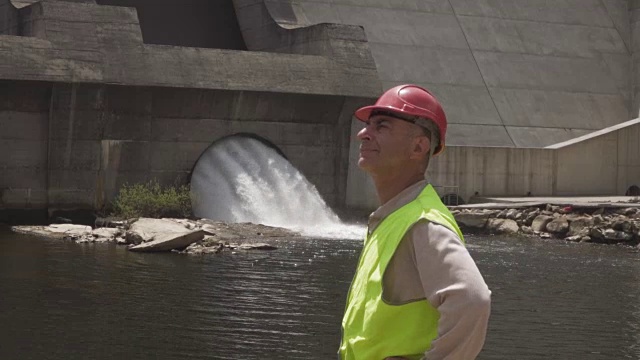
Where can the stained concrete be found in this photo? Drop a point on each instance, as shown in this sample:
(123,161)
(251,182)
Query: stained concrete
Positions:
(539,64)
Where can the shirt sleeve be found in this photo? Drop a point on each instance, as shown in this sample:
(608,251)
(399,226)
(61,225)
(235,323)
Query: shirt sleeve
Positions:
(452,284)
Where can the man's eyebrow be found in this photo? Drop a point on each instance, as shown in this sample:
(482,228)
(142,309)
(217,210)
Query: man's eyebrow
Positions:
(379,120)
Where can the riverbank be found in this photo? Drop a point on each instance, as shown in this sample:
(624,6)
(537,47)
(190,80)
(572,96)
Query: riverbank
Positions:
(613,223)
(184,236)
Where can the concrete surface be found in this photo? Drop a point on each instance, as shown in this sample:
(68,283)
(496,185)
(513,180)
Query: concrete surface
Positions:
(86,106)
(509,72)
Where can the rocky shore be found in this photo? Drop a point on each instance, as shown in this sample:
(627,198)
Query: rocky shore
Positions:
(178,235)
(598,225)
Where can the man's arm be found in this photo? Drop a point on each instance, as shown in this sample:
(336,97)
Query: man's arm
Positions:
(453,284)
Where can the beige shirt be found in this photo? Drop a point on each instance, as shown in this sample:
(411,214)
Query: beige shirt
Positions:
(432,263)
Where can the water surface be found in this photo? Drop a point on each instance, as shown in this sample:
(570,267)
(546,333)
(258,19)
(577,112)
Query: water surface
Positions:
(60,300)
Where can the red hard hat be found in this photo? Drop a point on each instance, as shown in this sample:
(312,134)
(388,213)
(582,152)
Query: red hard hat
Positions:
(410,100)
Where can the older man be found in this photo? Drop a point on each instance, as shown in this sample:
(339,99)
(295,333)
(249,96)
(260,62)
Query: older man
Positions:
(417,293)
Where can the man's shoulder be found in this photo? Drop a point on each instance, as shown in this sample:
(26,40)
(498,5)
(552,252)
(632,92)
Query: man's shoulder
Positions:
(427,230)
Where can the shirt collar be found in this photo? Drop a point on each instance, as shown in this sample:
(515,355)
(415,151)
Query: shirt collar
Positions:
(403,198)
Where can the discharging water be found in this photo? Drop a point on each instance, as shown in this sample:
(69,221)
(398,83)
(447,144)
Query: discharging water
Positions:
(59,300)
(240,179)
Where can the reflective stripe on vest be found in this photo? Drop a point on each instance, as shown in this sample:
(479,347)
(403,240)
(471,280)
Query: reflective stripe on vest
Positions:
(371,328)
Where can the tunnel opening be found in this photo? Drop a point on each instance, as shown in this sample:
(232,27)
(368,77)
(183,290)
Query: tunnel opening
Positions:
(191,23)
(246,178)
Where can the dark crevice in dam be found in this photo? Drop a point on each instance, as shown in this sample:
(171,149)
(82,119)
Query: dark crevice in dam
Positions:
(192,23)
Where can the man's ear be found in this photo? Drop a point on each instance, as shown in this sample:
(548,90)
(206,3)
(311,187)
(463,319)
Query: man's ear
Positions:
(421,147)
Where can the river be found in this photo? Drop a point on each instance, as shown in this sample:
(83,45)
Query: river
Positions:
(59,300)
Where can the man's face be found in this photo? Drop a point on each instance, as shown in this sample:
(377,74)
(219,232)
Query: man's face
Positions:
(387,144)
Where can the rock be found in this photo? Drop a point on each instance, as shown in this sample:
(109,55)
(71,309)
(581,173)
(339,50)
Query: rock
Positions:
(511,214)
(586,239)
(146,229)
(256,246)
(575,238)
(503,226)
(169,241)
(502,214)
(627,211)
(544,235)
(69,229)
(531,216)
(472,220)
(105,234)
(526,230)
(623,225)
(596,233)
(121,241)
(580,226)
(597,220)
(201,248)
(616,235)
(600,211)
(558,226)
(540,222)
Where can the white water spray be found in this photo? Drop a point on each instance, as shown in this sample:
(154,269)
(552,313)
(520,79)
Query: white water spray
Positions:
(240,179)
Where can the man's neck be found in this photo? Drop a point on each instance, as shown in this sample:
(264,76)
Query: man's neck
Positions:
(387,187)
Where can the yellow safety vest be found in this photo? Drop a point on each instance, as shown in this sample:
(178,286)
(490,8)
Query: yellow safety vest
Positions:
(371,328)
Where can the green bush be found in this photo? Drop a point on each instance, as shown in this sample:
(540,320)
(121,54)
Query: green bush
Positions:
(152,200)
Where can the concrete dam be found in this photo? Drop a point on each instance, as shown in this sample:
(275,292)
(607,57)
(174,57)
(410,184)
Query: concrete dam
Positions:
(542,96)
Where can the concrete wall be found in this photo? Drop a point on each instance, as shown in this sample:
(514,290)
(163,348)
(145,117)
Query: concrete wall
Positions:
(24,120)
(86,105)
(512,73)
(603,163)
(628,158)
(607,164)
(481,171)
(73,145)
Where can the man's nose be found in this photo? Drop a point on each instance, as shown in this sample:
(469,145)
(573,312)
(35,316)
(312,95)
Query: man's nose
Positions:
(364,134)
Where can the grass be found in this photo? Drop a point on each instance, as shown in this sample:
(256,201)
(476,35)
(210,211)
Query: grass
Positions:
(152,200)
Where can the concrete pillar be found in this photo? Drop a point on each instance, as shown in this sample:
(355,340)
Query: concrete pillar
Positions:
(634,19)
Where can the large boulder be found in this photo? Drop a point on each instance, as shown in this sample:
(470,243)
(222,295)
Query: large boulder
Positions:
(170,241)
(476,220)
(507,226)
(558,226)
(539,224)
(146,229)
(69,229)
(580,226)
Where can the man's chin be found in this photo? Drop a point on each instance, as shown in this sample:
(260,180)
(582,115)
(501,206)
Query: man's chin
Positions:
(364,164)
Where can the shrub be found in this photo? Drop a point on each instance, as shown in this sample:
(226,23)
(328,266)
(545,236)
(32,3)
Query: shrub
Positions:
(152,200)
